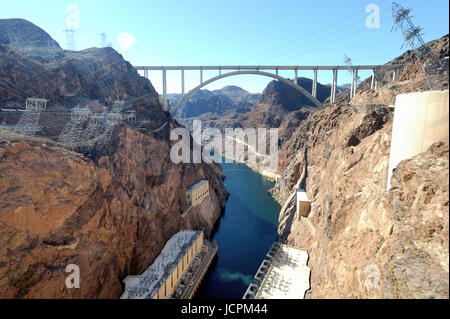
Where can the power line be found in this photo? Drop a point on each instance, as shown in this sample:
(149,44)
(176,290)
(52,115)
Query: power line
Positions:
(308,35)
(11,90)
(12,84)
(343,37)
(333,34)
(413,37)
(86,74)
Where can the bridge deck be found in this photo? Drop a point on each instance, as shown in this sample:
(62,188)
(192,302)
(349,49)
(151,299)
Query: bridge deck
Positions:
(263,67)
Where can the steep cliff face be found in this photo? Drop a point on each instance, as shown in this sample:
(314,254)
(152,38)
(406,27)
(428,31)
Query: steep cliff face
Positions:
(111,216)
(365,241)
(107,205)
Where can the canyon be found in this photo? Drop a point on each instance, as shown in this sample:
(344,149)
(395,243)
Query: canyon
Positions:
(110,207)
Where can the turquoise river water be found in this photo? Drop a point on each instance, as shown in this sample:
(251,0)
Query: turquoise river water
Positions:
(246,230)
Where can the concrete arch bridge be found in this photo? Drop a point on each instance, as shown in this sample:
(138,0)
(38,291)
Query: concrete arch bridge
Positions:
(263,71)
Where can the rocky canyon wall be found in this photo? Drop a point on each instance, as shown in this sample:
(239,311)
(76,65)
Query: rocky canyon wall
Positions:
(365,241)
(110,215)
(106,204)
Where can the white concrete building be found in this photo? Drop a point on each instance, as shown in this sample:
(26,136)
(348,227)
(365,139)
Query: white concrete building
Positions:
(197,193)
(36,104)
(303,205)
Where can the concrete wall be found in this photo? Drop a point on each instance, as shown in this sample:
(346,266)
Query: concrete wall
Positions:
(420,120)
(168,288)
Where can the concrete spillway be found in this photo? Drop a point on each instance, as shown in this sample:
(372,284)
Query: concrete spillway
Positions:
(283,275)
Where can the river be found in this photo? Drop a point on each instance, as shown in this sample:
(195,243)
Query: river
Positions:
(245,232)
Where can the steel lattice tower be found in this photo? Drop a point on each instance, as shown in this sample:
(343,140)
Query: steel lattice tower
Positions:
(413,37)
(70,39)
(354,73)
(104,41)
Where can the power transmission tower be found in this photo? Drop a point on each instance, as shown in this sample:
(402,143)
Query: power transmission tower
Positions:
(104,41)
(413,36)
(70,39)
(355,77)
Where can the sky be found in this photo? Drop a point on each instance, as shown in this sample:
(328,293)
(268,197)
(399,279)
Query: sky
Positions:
(235,32)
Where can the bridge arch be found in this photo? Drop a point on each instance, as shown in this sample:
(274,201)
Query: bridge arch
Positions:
(271,75)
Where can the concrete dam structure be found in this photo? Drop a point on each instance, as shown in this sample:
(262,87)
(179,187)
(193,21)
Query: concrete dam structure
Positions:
(420,120)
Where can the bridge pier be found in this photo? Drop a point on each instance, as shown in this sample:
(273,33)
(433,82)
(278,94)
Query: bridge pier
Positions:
(355,79)
(352,84)
(334,85)
(314,88)
(295,76)
(201,75)
(372,82)
(182,82)
(164,80)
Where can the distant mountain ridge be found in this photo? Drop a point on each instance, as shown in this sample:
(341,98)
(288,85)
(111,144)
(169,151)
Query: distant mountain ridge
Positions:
(279,106)
(225,100)
(279,99)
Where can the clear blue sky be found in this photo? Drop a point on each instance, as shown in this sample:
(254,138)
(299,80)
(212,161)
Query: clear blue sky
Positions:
(213,32)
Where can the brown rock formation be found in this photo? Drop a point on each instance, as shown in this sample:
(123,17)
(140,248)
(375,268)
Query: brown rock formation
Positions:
(107,205)
(278,100)
(358,234)
(33,65)
(110,216)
